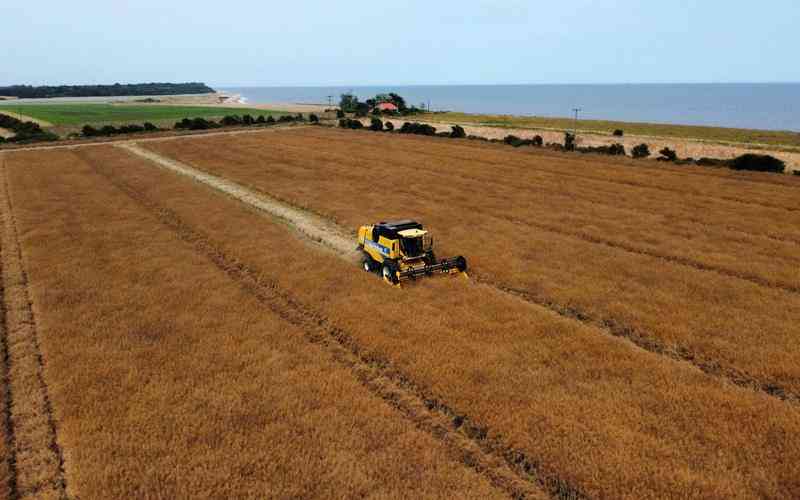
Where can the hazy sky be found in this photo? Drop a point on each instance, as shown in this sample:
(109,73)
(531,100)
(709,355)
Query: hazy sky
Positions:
(317,42)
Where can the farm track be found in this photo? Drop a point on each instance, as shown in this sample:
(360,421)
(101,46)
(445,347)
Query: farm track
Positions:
(494,181)
(38,462)
(569,174)
(608,325)
(509,469)
(621,245)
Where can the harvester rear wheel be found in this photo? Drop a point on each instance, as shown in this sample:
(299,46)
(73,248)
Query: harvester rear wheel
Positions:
(369,264)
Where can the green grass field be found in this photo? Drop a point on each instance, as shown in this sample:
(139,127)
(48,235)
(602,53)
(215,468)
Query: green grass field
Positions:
(712,134)
(70,114)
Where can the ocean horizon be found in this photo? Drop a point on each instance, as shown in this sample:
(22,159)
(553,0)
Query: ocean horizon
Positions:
(766,106)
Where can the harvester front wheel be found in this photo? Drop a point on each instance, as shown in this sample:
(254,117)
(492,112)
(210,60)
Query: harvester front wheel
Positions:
(389,273)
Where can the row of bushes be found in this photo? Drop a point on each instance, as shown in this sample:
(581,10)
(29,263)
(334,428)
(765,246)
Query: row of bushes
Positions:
(24,132)
(109,130)
(194,124)
(754,162)
(241,121)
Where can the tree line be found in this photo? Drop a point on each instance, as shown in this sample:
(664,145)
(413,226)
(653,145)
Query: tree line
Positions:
(116,90)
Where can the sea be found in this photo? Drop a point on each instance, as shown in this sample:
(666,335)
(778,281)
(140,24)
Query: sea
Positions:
(766,106)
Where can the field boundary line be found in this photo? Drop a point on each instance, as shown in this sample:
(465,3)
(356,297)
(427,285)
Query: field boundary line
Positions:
(39,461)
(473,445)
(606,325)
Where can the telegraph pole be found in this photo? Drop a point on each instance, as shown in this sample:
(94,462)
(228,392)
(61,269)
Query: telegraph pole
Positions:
(330,101)
(575,128)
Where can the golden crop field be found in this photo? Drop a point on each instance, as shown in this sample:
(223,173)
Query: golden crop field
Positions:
(627,331)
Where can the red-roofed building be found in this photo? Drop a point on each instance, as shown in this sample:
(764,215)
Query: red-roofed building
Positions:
(387,106)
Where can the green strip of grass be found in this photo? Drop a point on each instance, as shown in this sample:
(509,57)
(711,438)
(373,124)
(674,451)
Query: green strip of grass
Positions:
(91,113)
(713,134)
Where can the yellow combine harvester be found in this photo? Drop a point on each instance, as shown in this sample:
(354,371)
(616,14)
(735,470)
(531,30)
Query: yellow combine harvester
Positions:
(403,250)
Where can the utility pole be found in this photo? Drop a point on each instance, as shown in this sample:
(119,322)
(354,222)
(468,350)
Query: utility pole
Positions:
(330,101)
(575,128)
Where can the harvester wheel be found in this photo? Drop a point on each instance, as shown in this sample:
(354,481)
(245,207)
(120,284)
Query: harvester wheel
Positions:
(369,264)
(389,273)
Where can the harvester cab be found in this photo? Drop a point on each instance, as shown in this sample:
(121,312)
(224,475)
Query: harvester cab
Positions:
(403,250)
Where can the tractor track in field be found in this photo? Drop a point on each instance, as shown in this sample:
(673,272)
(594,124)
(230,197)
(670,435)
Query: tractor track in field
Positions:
(343,243)
(38,461)
(472,444)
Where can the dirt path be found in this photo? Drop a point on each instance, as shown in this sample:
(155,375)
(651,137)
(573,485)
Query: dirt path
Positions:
(311,226)
(37,458)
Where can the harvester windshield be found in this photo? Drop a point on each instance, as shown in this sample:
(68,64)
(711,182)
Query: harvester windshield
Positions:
(412,247)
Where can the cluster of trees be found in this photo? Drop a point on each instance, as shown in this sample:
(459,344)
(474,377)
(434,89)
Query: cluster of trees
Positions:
(239,121)
(24,131)
(349,103)
(513,140)
(749,161)
(196,124)
(116,90)
(109,130)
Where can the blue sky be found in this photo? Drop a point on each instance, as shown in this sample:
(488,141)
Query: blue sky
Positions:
(412,42)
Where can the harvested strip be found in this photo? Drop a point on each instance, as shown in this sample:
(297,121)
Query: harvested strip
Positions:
(730,327)
(38,464)
(186,385)
(606,417)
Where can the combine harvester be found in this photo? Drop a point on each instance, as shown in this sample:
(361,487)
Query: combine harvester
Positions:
(403,250)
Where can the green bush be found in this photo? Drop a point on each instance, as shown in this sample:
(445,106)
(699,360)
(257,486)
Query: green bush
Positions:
(640,151)
(619,133)
(757,163)
(417,128)
(149,127)
(457,132)
(231,120)
(389,126)
(538,141)
(668,154)
(313,118)
(376,125)
(270,120)
(569,141)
